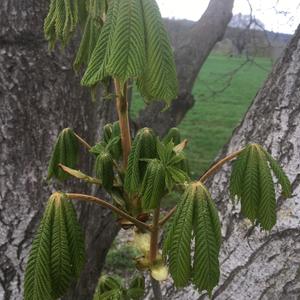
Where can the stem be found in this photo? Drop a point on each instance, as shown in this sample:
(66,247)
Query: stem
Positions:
(122,109)
(154,236)
(156,289)
(165,219)
(88,198)
(203,178)
(218,165)
(82,141)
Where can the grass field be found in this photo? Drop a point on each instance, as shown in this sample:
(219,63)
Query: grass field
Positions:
(210,123)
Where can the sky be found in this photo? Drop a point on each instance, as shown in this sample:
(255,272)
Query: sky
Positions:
(277,15)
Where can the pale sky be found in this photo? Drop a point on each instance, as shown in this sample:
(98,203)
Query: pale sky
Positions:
(277,15)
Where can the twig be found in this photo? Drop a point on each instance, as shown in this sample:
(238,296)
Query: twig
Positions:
(156,289)
(83,142)
(218,165)
(88,198)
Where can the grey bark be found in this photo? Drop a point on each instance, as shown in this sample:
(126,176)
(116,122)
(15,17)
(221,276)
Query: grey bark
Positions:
(191,48)
(40,95)
(258,265)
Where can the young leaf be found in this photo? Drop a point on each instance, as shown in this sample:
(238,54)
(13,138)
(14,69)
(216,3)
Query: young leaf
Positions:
(57,253)
(280,175)
(173,135)
(153,186)
(207,232)
(61,271)
(178,242)
(97,67)
(37,282)
(267,203)
(159,79)
(104,169)
(128,54)
(65,152)
(143,147)
(251,188)
(75,238)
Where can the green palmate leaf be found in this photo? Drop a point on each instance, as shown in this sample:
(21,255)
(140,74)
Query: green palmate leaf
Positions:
(107,132)
(143,147)
(65,152)
(97,67)
(251,181)
(153,186)
(37,283)
(251,186)
(61,271)
(75,238)
(267,203)
(237,174)
(178,242)
(61,20)
(104,169)
(281,176)
(87,44)
(57,253)
(159,78)
(128,55)
(207,231)
(173,135)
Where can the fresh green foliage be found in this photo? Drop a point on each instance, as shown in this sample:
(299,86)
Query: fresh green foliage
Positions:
(173,135)
(57,253)
(159,80)
(133,44)
(112,288)
(143,147)
(196,213)
(104,169)
(207,231)
(251,181)
(65,152)
(61,21)
(153,187)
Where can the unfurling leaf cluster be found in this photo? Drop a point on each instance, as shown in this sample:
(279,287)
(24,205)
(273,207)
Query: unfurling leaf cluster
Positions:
(252,183)
(196,218)
(112,287)
(133,44)
(57,254)
(65,152)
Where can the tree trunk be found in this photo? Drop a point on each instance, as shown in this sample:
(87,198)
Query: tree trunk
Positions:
(191,48)
(40,95)
(259,265)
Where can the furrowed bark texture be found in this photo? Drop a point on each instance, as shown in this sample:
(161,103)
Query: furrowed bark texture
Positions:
(258,265)
(192,46)
(39,96)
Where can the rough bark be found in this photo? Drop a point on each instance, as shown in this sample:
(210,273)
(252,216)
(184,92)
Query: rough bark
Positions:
(191,48)
(263,265)
(40,95)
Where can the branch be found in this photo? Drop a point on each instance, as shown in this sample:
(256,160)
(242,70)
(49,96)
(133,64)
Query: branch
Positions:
(92,199)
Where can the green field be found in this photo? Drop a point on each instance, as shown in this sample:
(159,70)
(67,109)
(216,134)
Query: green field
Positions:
(210,123)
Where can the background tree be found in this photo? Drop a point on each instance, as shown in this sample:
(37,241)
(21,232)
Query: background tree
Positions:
(256,265)
(37,89)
